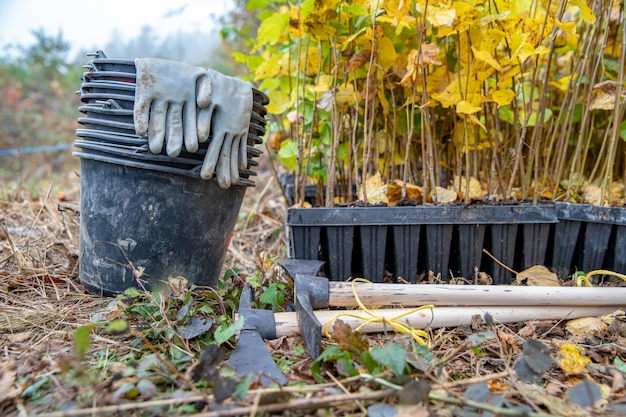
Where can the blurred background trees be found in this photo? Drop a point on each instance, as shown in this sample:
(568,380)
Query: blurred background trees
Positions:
(38,85)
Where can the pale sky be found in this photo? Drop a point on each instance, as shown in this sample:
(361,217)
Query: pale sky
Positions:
(89,24)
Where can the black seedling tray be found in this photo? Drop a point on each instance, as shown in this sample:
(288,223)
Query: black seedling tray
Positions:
(448,240)
(589,237)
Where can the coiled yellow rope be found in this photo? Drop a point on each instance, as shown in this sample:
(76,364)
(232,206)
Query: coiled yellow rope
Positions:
(581,277)
(420,336)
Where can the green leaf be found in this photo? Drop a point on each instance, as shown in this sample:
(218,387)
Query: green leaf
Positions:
(270,84)
(271,29)
(240,58)
(82,339)
(32,390)
(117,326)
(255,280)
(132,292)
(331,354)
(325,134)
(532,120)
(369,363)
(622,130)
(288,154)
(222,335)
(242,387)
(355,9)
(620,365)
(392,355)
(231,272)
(506,114)
(345,366)
(270,295)
(257,4)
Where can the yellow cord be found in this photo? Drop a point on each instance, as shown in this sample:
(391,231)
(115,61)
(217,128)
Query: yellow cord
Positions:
(585,278)
(420,336)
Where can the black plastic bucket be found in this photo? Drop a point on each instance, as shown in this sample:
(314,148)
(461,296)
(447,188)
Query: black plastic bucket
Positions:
(165,225)
(147,217)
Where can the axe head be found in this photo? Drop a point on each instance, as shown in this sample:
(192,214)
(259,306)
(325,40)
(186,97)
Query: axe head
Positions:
(251,355)
(318,289)
(310,327)
(294,267)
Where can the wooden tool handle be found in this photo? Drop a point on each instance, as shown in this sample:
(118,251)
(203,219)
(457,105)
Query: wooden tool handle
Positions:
(287,324)
(342,295)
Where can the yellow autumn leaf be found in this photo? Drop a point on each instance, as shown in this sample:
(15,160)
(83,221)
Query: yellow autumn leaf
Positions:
(345,96)
(450,96)
(348,42)
(473,119)
(486,57)
(370,5)
(374,188)
(326,4)
(296,28)
(516,43)
(316,24)
(382,97)
(310,61)
(280,102)
(411,68)
(269,68)
(491,39)
(505,79)
(503,96)
(474,190)
(569,29)
(324,84)
(494,17)
(562,83)
(442,195)
(406,23)
(438,16)
(604,96)
(386,53)
(397,10)
(465,107)
(534,29)
(466,13)
(429,53)
(585,11)
(537,275)
(524,50)
(572,359)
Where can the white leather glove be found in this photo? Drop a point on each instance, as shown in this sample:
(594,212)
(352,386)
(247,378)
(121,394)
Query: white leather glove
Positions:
(229,118)
(169,102)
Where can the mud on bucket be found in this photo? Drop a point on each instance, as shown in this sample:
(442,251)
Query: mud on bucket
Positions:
(167,225)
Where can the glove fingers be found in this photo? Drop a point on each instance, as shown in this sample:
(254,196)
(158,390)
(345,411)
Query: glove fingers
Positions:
(203,91)
(243,152)
(211,157)
(156,127)
(233,101)
(223,165)
(190,133)
(234,161)
(204,123)
(174,129)
(141,115)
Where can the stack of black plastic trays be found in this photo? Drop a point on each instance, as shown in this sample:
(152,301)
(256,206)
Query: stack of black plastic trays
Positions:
(108,95)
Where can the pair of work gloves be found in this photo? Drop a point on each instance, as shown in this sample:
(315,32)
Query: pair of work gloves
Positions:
(178,103)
